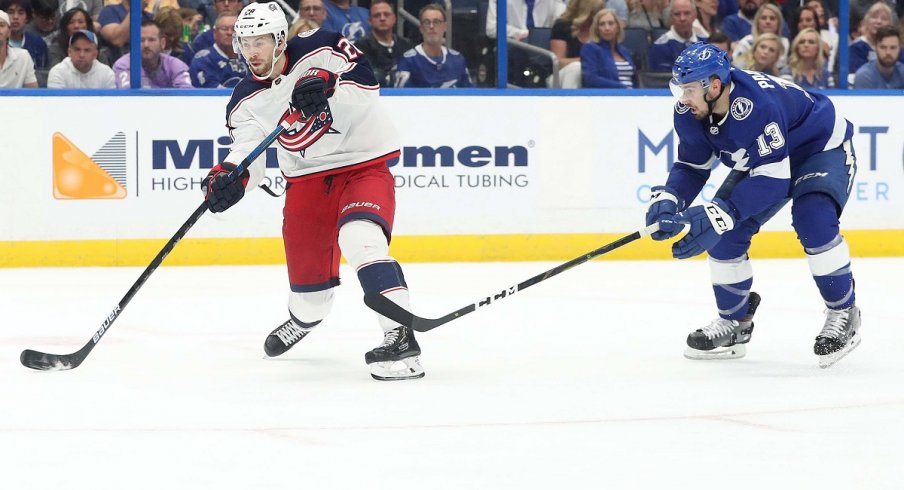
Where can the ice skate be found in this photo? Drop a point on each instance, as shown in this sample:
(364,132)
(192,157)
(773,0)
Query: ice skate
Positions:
(839,336)
(283,337)
(723,339)
(397,357)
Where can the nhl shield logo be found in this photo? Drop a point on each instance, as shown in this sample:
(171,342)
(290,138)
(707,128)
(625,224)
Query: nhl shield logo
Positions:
(741,108)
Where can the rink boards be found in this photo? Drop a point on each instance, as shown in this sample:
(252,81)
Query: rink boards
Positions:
(107,180)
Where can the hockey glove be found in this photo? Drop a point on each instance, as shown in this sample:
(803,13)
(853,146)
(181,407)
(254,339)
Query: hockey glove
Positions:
(221,190)
(663,206)
(312,91)
(708,223)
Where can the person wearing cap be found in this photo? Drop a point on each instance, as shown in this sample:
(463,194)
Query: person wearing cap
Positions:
(17,70)
(20,12)
(81,69)
(158,70)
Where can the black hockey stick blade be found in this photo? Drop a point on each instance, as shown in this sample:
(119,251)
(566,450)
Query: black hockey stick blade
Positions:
(386,307)
(43,361)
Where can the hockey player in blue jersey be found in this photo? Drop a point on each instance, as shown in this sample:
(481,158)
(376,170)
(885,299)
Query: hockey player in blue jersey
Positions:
(783,144)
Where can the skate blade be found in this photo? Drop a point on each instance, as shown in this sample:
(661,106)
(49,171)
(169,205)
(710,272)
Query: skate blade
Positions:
(408,368)
(736,351)
(828,360)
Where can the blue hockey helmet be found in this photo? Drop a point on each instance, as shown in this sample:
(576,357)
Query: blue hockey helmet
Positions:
(699,62)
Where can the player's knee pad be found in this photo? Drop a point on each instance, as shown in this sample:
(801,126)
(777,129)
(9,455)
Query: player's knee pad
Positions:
(833,258)
(815,219)
(310,307)
(362,242)
(364,246)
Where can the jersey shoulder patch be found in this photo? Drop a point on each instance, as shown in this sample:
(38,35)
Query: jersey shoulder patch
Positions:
(411,53)
(741,107)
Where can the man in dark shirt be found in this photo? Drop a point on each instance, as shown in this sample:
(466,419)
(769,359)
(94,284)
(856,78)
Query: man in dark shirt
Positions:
(382,48)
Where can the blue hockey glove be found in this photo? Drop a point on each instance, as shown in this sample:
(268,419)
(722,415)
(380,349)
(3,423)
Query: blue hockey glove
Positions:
(312,91)
(221,191)
(708,223)
(663,206)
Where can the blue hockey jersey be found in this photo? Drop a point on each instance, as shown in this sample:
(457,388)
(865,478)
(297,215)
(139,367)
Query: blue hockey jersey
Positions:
(212,69)
(771,127)
(416,69)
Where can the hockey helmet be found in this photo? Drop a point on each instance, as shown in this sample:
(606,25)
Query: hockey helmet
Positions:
(699,62)
(258,19)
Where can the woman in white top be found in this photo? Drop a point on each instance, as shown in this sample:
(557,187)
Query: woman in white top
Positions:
(764,56)
(706,22)
(768,19)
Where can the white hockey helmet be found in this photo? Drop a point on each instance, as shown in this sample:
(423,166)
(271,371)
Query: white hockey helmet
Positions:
(260,18)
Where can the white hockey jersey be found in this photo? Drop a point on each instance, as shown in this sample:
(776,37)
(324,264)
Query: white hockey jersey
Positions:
(353,131)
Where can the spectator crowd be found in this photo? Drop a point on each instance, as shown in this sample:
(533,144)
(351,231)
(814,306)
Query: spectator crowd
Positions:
(586,43)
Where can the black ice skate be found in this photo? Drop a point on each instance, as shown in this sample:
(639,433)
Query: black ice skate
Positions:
(397,357)
(839,335)
(283,337)
(723,339)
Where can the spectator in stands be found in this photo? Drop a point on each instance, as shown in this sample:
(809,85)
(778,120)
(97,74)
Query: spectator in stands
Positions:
(302,25)
(807,18)
(347,19)
(569,33)
(886,71)
(719,39)
(430,64)
(205,39)
(81,69)
(768,19)
(649,14)
(158,70)
(522,16)
(681,35)
(191,22)
(45,20)
(764,57)
(807,62)
(17,69)
(381,46)
(74,20)
(605,62)
(707,21)
(313,10)
(172,28)
(741,24)
(115,21)
(20,13)
(525,69)
(862,49)
(828,30)
(573,29)
(93,7)
(219,66)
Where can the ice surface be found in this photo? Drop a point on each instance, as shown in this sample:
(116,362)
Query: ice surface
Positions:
(578,382)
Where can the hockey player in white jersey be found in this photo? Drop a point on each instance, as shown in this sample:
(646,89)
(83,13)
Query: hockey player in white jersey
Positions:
(340,196)
(784,144)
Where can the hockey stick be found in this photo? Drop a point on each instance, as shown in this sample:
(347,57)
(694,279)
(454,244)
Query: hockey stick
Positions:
(59,362)
(386,307)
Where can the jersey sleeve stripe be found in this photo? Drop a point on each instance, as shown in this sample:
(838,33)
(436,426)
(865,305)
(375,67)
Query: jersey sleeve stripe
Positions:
(775,170)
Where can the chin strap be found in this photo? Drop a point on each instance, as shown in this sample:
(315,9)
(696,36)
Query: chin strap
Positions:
(711,103)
